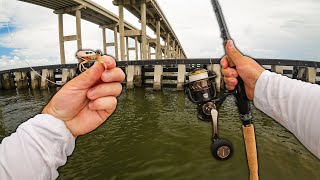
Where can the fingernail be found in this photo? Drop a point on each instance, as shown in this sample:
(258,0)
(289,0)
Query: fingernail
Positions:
(230,43)
(106,75)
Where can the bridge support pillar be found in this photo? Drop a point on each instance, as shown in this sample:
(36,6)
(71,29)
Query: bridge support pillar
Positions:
(7,81)
(311,75)
(217,69)
(73,73)
(136,47)
(277,69)
(35,80)
(130,76)
(158,71)
(47,75)
(104,40)
(1,82)
(143,9)
(301,73)
(21,80)
(121,32)
(65,76)
(137,76)
(116,46)
(173,53)
(181,77)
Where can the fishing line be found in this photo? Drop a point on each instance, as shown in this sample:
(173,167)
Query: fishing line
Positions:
(13,45)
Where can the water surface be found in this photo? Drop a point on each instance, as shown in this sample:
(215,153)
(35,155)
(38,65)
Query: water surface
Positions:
(156,135)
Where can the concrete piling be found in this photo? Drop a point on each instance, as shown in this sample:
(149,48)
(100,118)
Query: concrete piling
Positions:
(21,80)
(7,81)
(35,80)
(277,69)
(217,69)
(137,79)
(181,77)
(65,76)
(45,76)
(311,75)
(157,83)
(130,77)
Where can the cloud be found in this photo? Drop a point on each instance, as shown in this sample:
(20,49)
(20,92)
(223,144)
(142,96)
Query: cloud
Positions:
(265,29)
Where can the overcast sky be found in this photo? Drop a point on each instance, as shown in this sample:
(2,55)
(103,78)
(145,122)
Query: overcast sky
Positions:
(284,29)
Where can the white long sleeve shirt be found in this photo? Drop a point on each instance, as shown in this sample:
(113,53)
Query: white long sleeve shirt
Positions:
(43,143)
(36,150)
(294,104)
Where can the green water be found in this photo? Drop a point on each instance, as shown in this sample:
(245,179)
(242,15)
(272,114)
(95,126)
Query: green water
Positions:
(156,135)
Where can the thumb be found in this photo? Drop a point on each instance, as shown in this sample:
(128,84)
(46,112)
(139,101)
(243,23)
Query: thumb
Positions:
(233,53)
(88,78)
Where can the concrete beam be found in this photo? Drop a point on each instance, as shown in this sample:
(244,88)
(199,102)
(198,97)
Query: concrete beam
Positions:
(129,2)
(69,9)
(70,38)
(132,33)
(181,77)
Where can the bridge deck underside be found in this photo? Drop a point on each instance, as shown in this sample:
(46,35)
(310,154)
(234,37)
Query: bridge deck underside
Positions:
(92,12)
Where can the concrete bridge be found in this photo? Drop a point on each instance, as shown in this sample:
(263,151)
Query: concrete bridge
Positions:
(171,62)
(173,74)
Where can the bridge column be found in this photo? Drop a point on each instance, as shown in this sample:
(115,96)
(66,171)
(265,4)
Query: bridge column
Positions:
(173,49)
(158,69)
(168,47)
(116,47)
(130,77)
(136,47)
(7,81)
(104,40)
(65,76)
(301,73)
(78,24)
(121,31)
(35,80)
(311,75)
(61,41)
(127,48)
(277,69)
(1,81)
(143,10)
(181,77)
(217,70)
(47,75)
(21,80)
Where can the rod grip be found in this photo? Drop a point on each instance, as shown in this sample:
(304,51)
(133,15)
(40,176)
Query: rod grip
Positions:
(251,149)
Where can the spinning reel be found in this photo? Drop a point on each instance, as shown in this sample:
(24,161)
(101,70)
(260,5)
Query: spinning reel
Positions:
(201,90)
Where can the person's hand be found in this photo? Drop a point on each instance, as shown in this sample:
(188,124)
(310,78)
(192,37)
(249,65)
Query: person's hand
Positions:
(248,69)
(86,101)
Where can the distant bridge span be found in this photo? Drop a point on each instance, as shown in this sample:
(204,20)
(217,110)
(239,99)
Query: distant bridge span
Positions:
(92,12)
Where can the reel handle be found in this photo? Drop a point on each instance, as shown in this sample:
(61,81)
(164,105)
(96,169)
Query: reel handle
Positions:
(250,141)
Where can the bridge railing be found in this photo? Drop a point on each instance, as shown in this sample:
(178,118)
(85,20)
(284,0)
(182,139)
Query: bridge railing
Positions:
(156,73)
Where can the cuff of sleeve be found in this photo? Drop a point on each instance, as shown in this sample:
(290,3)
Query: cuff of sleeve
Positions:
(259,91)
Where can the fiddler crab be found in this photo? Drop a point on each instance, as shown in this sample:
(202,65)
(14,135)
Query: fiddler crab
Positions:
(85,56)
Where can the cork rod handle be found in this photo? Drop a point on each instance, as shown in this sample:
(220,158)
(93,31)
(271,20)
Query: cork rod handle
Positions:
(251,149)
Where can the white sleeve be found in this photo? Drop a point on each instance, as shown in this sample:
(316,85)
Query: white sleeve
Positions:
(294,104)
(36,150)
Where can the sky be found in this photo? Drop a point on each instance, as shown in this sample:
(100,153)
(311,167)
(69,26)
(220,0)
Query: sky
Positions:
(282,29)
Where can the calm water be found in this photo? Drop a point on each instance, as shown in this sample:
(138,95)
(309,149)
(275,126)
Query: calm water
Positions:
(156,135)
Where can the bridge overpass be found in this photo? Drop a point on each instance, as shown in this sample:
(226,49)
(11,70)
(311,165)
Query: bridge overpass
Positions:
(171,58)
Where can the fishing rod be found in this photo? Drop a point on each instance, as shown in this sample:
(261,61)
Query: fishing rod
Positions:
(242,101)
